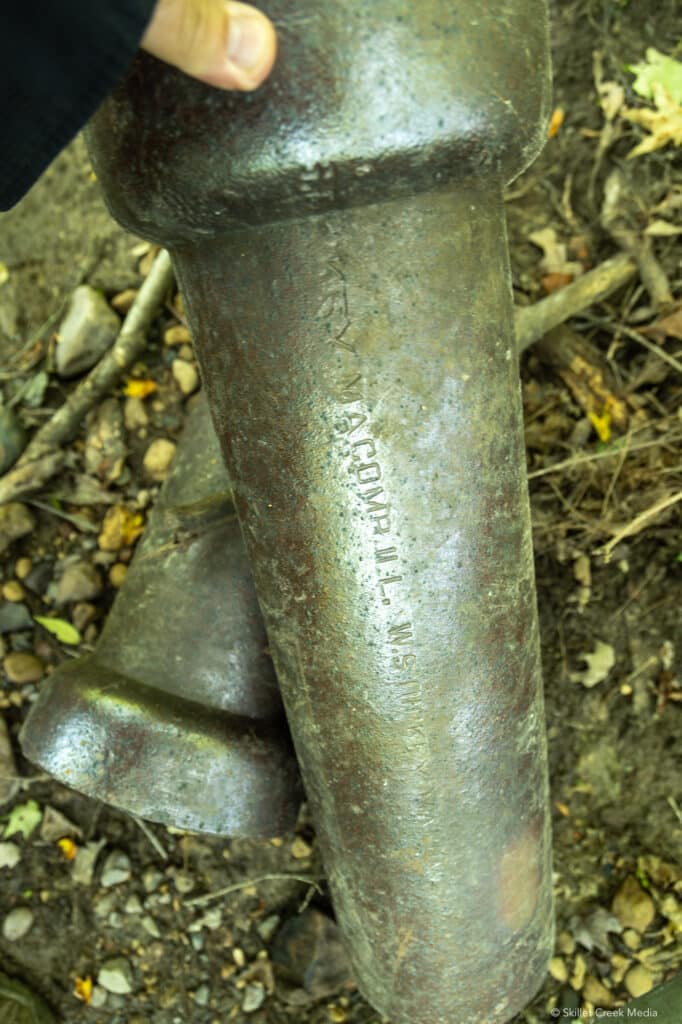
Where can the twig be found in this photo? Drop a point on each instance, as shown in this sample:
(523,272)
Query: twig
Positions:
(645,343)
(156,843)
(198,901)
(533,322)
(639,522)
(577,460)
(40,461)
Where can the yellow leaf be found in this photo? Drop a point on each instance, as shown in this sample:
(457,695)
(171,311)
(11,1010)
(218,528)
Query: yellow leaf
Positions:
(68,848)
(82,989)
(602,424)
(135,388)
(663,124)
(63,630)
(120,528)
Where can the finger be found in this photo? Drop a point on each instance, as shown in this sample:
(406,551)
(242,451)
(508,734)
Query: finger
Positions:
(226,44)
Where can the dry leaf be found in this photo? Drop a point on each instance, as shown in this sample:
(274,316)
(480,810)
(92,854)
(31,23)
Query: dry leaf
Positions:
(663,124)
(554,259)
(669,326)
(135,388)
(599,664)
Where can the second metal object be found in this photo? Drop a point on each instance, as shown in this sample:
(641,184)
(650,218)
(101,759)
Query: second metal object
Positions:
(177,715)
(339,239)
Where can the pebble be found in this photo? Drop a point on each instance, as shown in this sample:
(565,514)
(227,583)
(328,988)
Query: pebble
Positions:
(198,941)
(558,969)
(88,329)
(177,334)
(14,617)
(185,375)
(134,414)
(300,849)
(10,855)
(123,300)
(183,881)
(116,976)
(22,568)
(151,879)
(158,458)
(13,591)
(17,924)
(98,996)
(116,869)
(596,992)
(83,867)
(119,529)
(639,980)
(104,905)
(117,574)
(631,938)
(83,614)
(267,928)
(80,581)
(579,971)
(133,905)
(254,997)
(151,927)
(55,825)
(633,907)
(202,995)
(16,520)
(23,668)
(13,438)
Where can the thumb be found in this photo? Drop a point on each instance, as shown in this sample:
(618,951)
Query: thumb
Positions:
(225,44)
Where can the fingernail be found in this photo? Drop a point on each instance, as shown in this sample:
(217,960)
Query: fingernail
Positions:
(250,38)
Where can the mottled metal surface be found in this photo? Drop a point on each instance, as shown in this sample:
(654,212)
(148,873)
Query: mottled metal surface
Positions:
(339,239)
(177,715)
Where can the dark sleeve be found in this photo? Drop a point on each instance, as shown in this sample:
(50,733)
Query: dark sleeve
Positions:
(58,60)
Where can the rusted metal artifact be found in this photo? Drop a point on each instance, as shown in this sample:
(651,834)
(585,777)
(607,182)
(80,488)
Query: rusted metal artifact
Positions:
(339,238)
(177,715)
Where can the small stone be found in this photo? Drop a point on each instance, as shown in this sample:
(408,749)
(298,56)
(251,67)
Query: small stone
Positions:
(639,980)
(579,971)
(558,969)
(151,927)
(596,992)
(254,997)
(158,459)
(14,618)
(198,941)
(202,995)
(267,928)
(13,591)
(83,614)
(16,520)
(151,879)
(114,920)
(98,996)
(103,905)
(13,438)
(123,300)
(116,976)
(186,352)
(116,869)
(117,574)
(566,943)
(83,867)
(22,568)
(120,529)
(10,855)
(300,849)
(17,924)
(55,825)
(133,905)
(23,668)
(88,329)
(633,907)
(80,581)
(134,414)
(239,956)
(177,334)
(183,881)
(185,375)
(631,939)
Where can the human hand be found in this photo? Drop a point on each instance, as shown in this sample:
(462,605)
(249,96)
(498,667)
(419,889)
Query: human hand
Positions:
(225,44)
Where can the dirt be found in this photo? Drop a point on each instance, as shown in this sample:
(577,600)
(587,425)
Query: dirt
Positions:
(615,750)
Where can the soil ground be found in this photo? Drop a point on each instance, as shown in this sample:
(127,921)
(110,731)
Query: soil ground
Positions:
(615,748)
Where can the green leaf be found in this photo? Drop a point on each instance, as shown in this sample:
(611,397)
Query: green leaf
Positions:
(658,70)
(23,818)
(63,630)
